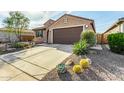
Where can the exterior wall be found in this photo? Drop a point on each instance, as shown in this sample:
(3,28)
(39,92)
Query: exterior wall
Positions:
(50,36)
(4,36)
(28,34)
(116,29)
(99,38)
(45,35)
(68,21)
(122,27)
(39,38)
(71,21)
(48,23)
(27,38)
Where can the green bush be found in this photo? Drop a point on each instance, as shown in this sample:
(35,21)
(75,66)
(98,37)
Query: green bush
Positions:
(116,42)
(19,45)
(80,48)
(89,36)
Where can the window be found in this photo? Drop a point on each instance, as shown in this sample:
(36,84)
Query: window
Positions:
(36,34)
(39,33)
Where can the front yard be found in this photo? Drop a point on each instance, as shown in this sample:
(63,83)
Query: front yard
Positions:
(52,62)
(39,63)
(106,65)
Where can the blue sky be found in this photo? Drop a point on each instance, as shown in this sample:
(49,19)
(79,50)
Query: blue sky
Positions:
(103,19)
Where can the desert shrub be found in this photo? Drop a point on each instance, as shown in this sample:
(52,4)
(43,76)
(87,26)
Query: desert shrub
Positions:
(19,45)
(61,68)
(89,36)
(116,42)
(80,48)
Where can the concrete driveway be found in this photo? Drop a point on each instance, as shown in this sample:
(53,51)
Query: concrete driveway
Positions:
(34,63)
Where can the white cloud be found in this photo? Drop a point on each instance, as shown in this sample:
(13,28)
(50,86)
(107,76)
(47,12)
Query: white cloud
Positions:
(68,12)
(39,18)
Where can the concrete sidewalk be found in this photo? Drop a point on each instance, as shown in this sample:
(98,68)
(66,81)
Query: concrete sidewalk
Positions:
(30,64)
(8,72)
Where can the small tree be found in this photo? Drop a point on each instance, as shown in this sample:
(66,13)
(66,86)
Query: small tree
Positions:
(16,22)
(89,36)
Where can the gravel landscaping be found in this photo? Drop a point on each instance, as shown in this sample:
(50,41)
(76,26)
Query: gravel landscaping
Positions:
(106,65)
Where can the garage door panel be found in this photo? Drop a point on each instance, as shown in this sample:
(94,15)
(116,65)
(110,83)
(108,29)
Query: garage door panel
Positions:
(67,35)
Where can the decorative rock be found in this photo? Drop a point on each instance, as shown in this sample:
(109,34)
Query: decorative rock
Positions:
(69,62)
(76,77)
(92,52)
(11,49)
(89,61)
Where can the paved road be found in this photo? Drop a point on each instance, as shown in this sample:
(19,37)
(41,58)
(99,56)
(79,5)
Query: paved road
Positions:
(32,64)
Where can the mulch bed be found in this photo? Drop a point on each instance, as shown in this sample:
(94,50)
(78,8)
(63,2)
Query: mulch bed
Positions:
(6,52)
(87,75)
(54,76)
(101,68)
(70,75)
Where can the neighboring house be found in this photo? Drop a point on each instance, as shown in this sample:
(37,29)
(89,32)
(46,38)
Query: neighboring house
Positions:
(26,35)
(65,30)
(115,28)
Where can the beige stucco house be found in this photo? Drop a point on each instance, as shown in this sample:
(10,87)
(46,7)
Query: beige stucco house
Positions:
(65,30)
(115,28)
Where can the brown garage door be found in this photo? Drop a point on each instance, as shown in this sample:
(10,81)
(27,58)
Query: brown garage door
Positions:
(67,35)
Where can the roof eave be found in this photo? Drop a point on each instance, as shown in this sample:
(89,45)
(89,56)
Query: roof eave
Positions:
(114,25)
(35,29)
(73,16)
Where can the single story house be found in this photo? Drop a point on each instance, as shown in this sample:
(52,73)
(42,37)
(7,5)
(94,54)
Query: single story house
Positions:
(115,28)
(65,30)
(26,35)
